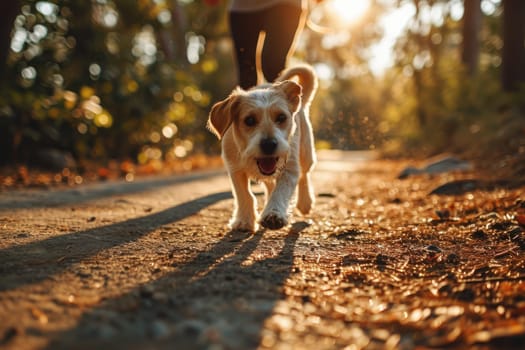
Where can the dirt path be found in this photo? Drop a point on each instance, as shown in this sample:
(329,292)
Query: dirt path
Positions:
(380,264)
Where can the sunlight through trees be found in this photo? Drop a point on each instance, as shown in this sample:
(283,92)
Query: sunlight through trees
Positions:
(115,79)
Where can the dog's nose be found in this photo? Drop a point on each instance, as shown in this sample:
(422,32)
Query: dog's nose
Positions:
(268,145)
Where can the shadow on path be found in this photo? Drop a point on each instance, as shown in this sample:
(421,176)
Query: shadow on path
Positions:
(58,197)
(36,261)
(222,296)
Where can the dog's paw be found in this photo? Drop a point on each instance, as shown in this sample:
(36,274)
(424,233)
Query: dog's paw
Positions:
(305,196)
(243,225)
(304,204)
(274,221)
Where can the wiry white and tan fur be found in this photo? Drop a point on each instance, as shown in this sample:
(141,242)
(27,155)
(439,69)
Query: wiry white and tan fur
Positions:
(267,136)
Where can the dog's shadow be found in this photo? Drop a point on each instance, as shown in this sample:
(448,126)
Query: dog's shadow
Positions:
(223,296)
(40,260)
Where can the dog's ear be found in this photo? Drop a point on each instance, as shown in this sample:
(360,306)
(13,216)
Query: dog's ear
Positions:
(221,115)
(293,92)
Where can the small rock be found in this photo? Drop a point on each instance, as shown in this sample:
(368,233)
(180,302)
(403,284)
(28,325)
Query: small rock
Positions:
(433,249)
(438,165)
(456,187)
(408,171)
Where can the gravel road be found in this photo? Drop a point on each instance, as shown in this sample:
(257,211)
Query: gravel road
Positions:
(379,264)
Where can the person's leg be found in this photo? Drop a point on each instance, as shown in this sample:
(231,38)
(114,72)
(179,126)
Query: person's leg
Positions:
(282,24)
(245,33)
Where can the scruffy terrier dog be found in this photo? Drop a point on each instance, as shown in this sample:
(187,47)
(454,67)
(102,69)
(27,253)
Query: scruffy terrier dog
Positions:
(267,136)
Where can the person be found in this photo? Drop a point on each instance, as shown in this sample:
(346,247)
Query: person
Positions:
(277,23)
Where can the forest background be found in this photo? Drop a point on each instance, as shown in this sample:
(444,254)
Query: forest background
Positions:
(128,84)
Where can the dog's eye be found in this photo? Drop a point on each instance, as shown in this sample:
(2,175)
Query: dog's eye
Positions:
(250,121)
(281,118)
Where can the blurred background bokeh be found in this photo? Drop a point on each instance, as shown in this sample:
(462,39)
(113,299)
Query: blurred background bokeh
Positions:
(131,82)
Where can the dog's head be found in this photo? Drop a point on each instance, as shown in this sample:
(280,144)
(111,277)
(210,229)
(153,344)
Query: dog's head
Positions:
(260,123)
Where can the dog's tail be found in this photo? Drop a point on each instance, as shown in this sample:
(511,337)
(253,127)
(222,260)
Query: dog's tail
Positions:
(307,80)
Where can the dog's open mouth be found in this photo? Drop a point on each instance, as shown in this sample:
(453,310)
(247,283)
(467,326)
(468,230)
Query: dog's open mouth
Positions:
(267,165)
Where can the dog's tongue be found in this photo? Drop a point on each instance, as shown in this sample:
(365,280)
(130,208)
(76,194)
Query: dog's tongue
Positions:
(267,166)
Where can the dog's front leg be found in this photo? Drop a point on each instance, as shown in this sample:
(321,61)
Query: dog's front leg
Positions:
(269,187)
(245,207)
(275,215)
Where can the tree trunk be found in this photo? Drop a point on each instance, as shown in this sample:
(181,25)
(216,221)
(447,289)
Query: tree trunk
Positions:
(471,29)
(8,11)
(513,55)
(418,88)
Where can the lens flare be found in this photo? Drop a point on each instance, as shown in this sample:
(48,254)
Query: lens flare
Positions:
(349,11)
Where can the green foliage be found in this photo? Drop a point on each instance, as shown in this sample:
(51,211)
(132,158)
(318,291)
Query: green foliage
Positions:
(436,105)
(123,79)
(107,79)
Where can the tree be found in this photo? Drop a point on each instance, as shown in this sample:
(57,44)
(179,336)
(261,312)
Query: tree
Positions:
(82,76)
(471,29)
(513,55)
(8,12)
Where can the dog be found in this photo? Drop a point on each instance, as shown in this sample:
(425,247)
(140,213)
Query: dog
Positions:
(266,135)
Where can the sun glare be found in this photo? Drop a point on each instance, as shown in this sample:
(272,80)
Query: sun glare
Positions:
(331,16)
(349,11)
